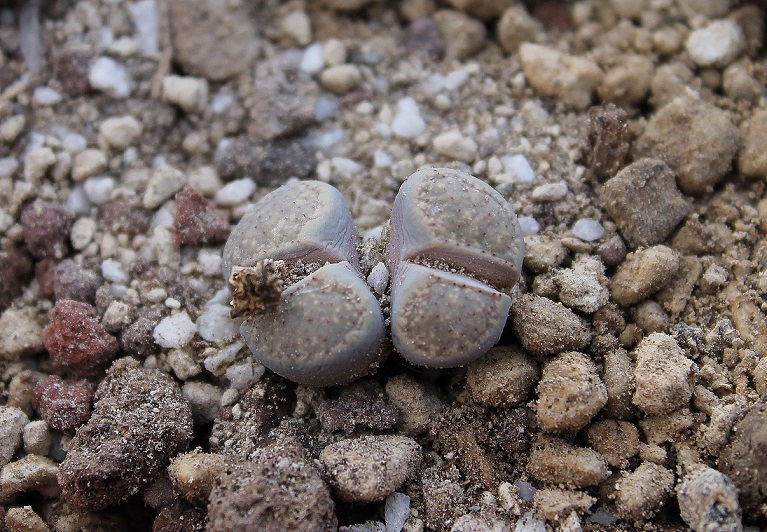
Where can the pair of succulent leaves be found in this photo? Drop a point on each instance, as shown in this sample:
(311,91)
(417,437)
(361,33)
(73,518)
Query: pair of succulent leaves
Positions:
(455,246)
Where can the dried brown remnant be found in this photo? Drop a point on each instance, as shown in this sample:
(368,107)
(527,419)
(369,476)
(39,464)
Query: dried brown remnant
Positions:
(257,289)
(607,137)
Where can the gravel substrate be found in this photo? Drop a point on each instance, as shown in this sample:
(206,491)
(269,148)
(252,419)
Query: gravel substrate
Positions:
(628,389)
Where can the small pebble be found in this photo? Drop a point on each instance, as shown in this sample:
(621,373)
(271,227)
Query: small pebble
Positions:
(88,163)
(215,325)
(37,163)
(12,423)
(121,131)
(454,145)
(99,190)
(549,192)
(643,273)
(46,96)
(164,183)
(370,468)
(407,122)
(340,79)
(189,93)
(196,221)
(113,271)
(717,45)
(518,168)
(235,192)
(528,225)
(63,404)
(505,376)
(174,331)
(546,328)
(664,377)
(37,438)
(312,60)
(76,340)
(708,500)
(379,278)
(588,229)
(110,77)
(555,461)
(641,493)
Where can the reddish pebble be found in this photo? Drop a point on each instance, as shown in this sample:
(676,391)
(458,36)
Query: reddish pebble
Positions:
(121,216)
(613,251)
(72,281)
(76,340)
(46,229)
(63,404)
(15,273)
(196,221)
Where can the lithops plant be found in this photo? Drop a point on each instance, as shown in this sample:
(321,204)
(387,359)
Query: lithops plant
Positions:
(293,268)
(455,245)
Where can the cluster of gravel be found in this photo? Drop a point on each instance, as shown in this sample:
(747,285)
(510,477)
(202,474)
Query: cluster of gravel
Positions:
(629,384)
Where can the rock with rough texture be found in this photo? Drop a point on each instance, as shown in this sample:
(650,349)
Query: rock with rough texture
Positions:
(743,458)
(545,327)
(641,493)
(370,468)
(708,501)
(505,376)
(212,39)
(482,9)
(46,229)
(517,26)
(643,273)
(752,159)
(716,45)
(63,404)
(571,79)
(12,422)
(76,340)
(196,221)
(139,423)
(570,393)
(644,202)
(664,377)
(16,270)
(703,155)
(554,461)
(463,35)
(278,490)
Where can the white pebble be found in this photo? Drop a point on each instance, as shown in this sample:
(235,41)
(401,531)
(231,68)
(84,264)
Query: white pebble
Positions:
(8,167)
(328,140)
(99,189)
(381,159)
(529,225)
(312,61)
(456,79)
(218,363)
(718,44)
(326,107)
(146,21)
(174,331)
(588,229)
(407,123)
(46,95)
(82,232)
(112,271)
(215,325)
(396,511)
(77,201)
(549,192)
(241,376)
(379,278)
(110,77)
(162,218)
(221,102)
(345,167)
(209,261)
(235,192)
(164,183)
(188,92)
(518,168)
(374,233)
(172,303)
(73,142)
(530,523)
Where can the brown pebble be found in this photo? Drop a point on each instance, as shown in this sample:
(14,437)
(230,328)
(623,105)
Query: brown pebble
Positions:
(505,376)
(616,440)
(279,490)
(608,138)
(641,493)
(743,458)
(612,251)
(44,275)
(422,36)
(76,340)
(555,461)
(70,68)
(124,216)
(72,281)
(16,270)
(545,327)
(64,404)
(361,404)
(643,273)
(46,229)
(664,376)
(570,393)
(139,423)
(196,221)
(556,504)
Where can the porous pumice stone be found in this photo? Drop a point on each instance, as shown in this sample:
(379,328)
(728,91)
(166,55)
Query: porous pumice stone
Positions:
(442,319)
(450,235)
(445,215)
(327,329)
(303,220)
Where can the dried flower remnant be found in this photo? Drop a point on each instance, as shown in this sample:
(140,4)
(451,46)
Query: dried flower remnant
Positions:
(608,140)
(257,289)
